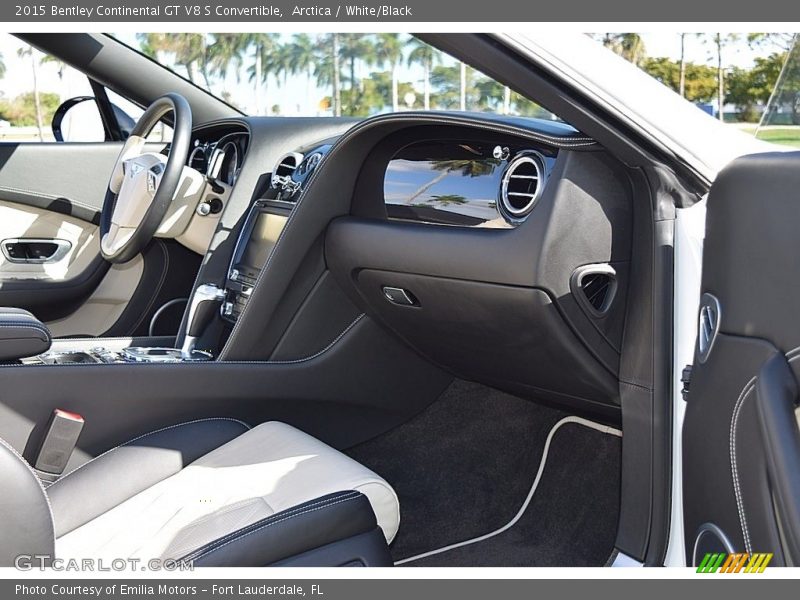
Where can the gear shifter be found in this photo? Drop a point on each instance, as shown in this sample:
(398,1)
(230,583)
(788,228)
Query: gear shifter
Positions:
(205,304)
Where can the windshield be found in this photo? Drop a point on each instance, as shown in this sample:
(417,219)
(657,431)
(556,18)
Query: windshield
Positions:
(748,81)
(334,74)
(781,120)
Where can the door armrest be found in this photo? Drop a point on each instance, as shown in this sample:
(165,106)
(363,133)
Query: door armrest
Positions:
(21,335)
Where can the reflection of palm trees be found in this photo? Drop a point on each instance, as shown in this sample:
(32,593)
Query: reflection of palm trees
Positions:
(447,199)
(466,167)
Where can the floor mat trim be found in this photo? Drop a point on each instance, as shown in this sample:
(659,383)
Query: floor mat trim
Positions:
(542,463)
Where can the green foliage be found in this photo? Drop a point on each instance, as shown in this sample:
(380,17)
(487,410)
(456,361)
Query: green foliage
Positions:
(748,87)
(701,80)
(21,111)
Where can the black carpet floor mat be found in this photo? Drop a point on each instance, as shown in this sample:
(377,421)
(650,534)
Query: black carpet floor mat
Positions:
(463,468)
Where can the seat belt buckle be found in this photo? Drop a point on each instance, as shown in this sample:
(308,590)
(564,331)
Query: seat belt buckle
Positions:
(59,442)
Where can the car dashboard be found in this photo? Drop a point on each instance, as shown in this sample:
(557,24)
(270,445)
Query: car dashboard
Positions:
(498,248)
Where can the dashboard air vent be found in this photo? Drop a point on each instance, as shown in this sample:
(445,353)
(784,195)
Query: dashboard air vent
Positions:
(595,286)
(282,173)
(522,185)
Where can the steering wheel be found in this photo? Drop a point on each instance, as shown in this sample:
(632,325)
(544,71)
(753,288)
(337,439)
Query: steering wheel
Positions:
(143,184)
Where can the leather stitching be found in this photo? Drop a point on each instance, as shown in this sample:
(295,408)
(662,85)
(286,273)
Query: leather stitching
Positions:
(144,435)
(157,289)
(791,356)
(324,350)
(5,188)
(238,535)
(284,513)
(734,465)
(36,477)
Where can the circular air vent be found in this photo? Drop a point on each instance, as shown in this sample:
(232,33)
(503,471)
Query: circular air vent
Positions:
(282,173)
(522,185)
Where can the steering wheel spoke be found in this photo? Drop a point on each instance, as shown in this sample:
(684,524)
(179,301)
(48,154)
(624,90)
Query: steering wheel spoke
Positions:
(143,184)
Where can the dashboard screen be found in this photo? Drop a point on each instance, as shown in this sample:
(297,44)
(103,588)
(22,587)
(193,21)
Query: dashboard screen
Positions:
(264,235)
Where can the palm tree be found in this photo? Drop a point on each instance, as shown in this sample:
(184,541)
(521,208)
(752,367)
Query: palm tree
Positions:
(2,67)
(337,70)
(389,49)
(281,63)
(22,53)
(629,46)
(225,51)
(327,69)
(425,55)
(355,47)
(189,49)
(463,86)
(262,44)
(720,41)
(682,67)
(303,58)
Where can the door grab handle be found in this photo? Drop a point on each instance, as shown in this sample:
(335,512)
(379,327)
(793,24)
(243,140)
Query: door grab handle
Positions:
(35,250)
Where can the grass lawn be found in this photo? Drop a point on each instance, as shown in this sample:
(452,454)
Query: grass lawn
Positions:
(787,136)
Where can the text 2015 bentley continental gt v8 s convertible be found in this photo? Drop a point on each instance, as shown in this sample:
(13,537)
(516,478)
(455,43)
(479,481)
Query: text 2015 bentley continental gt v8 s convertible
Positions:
(424,337)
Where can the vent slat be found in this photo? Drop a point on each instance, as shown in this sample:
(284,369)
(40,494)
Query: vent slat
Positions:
(521,184)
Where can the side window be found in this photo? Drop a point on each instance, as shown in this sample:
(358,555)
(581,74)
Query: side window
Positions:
(128,113)
(34,85)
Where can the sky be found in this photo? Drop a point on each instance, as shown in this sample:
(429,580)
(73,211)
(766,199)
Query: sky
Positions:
(298,97)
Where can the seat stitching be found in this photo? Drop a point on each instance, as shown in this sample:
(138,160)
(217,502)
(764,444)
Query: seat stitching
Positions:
(36,477)
(285,518)
(791,356)
(734,464)
(144,435)
(287,512)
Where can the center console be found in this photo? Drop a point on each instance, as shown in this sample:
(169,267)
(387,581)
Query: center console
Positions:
(111,351)
(260,233)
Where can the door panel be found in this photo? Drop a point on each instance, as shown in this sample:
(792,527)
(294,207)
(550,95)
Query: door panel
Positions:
(64,178)
(18,221)
(741,442)
(53,193)
(98,313)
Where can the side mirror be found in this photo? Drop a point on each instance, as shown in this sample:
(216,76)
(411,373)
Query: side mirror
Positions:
(61,112)
(75,123)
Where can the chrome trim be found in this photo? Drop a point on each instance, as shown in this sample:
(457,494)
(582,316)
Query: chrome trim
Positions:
(711,529)
(62,249)
(162,355)
(525,157)
(280,181)
(708,321)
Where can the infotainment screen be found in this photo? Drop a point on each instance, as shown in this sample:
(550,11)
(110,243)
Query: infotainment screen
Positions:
(264,235)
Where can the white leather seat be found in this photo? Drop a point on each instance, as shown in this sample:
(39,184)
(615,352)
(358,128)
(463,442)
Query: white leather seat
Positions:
(266,470)
(212,492)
